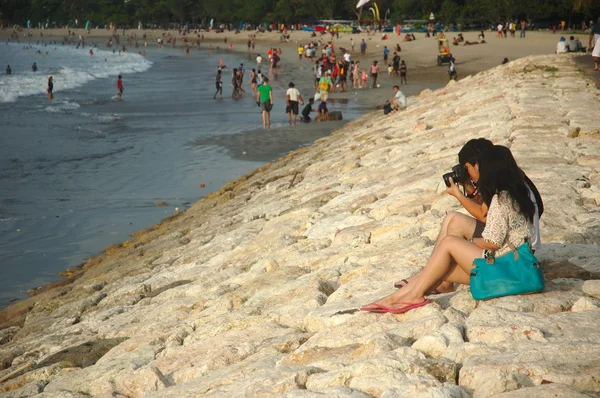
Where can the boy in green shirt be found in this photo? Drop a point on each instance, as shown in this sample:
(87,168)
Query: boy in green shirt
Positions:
(265,98)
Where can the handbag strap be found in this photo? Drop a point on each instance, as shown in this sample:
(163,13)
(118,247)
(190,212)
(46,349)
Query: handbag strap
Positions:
(490,256)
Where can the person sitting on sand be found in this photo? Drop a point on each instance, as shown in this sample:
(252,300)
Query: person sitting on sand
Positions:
(461,38)
(407,38)
(562,47)
(454,41)
(575,45)
(510,215)
(473,43)
(504,61)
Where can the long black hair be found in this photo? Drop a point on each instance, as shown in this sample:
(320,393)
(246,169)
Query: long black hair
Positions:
(498,171)
(472,150)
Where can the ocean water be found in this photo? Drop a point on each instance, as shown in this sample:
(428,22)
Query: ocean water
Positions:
(85,170)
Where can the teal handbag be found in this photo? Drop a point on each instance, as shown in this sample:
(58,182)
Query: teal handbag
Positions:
(517,272)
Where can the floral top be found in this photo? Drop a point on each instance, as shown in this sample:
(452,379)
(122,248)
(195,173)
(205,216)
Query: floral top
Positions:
(505,225)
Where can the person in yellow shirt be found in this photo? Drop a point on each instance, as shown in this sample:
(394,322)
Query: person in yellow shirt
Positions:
(300,52)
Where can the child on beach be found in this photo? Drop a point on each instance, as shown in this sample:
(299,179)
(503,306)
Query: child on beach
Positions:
(390,69)
(364,79)
(323,111)
(307,110)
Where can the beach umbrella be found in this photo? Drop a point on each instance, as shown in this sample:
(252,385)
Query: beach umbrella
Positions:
(362,3)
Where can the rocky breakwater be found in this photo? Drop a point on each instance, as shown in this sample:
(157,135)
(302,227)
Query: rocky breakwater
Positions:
(254,291)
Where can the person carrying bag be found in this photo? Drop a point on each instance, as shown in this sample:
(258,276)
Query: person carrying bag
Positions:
(517,272)
(498,263)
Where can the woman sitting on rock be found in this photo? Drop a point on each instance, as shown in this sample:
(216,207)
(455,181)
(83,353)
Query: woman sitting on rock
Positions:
(510,214)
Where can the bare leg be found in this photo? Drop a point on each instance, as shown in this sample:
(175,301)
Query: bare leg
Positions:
(451,254)
(454,224)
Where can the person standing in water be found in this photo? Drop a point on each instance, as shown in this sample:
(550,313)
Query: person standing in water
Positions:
(34,67)
(293,98)
(218,85)
(50,89)
(8,70)
(265,93)
(119,87)
(253,81)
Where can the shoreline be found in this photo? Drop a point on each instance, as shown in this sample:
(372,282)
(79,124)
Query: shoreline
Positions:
(372,98)
(258,284)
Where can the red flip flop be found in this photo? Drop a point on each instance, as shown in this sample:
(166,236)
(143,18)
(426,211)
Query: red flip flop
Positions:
(374,307)
(407,308)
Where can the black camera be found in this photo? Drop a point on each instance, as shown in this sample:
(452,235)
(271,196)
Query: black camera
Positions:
(459,175)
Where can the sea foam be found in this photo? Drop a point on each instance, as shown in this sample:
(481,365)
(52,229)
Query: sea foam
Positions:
(69,67)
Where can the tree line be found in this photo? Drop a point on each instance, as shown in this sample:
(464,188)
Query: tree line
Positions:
(163,12)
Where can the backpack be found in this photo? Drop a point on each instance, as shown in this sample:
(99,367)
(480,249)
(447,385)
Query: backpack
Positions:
(324,86)
(536,194)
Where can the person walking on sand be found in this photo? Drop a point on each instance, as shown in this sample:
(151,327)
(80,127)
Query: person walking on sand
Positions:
(452,69)
(218,85)
(119,87)
(292,98)
(403,69)
(50,89)
(596,55)
(352,44)
(374,73)
(363,47)
(594,34)
(265,93)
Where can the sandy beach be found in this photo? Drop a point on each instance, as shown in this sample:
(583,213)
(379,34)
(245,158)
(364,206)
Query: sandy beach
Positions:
(420,55)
